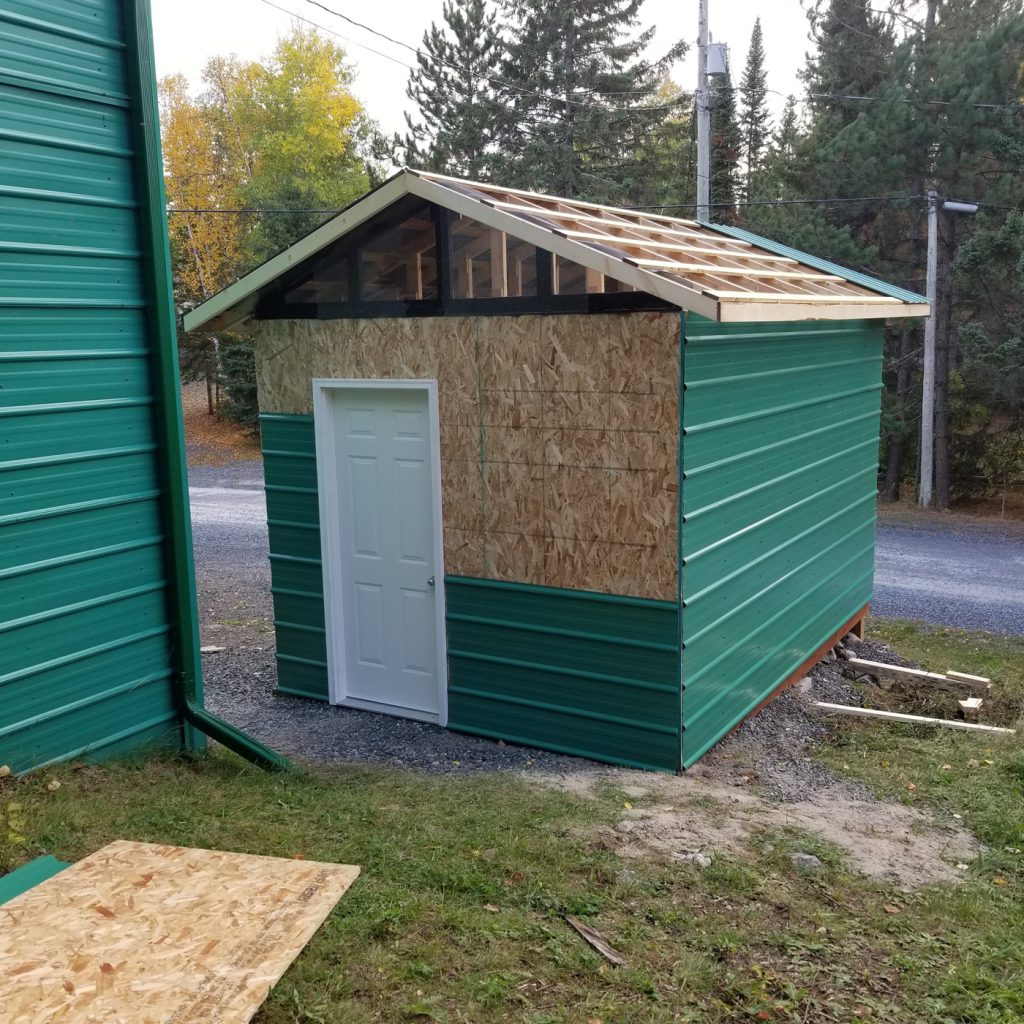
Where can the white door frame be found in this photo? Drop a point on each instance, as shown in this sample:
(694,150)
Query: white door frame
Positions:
(330,539)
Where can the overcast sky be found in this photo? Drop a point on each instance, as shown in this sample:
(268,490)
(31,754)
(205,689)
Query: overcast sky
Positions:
(188,32)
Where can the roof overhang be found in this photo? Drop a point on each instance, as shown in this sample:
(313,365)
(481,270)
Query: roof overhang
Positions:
(525,219)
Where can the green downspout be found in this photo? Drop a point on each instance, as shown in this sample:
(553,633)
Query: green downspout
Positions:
(199,722)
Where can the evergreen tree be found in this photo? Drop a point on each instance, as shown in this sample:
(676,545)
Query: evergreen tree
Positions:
(921,127)
(755,121)
(667,163)
(726,149)
(453,89)
(853,49)
(786,137)
(581,102)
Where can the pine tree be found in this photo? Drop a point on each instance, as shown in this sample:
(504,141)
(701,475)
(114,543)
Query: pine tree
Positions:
(755,121)
(581,102)
(853,50)
(726,148)
(453,90)
(786,135)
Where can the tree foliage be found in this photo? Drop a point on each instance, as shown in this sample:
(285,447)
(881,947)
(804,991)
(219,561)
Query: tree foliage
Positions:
(453,88)
(580,100)
(284,133)
(755,119)
(726,149)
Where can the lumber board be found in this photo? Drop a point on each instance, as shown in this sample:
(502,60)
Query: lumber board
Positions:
(646,242)
(943,682)
(897,716)
(155,934)
(967,678)
(712,269)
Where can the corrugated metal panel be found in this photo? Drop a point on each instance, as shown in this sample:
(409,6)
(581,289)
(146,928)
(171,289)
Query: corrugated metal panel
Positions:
(293,517)
(572,671)
(826,266)
(86,663)
(780,452)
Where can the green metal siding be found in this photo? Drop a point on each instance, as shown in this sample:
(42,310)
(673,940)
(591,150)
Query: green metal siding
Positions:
(567,670)
(293,518)
(85,630)
(780,449)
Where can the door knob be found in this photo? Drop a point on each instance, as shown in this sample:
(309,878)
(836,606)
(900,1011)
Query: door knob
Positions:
(430,581)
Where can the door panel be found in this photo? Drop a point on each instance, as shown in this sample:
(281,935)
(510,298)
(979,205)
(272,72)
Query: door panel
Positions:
(387,529)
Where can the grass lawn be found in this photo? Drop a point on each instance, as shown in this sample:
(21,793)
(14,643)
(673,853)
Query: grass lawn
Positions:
(458,914)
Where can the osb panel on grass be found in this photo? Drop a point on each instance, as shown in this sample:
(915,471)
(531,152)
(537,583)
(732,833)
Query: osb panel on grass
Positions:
(160,935)
(559,434)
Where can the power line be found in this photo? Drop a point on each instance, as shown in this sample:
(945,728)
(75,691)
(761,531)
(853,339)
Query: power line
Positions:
(497,81)
(338,35)
(253,210)
(782,202)
(244,211)
(916,103)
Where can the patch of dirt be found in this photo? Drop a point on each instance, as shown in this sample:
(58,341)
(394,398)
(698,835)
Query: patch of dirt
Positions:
(213,440)
(887,841)
(764,778)
(695,813)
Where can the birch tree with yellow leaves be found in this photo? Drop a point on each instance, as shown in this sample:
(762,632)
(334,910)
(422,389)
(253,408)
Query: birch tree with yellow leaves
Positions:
(284,138)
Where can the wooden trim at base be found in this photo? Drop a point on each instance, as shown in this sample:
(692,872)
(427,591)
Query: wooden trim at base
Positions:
(853,625)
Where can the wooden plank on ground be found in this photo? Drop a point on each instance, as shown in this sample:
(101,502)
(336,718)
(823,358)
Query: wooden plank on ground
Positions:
(968,678)
(935,678)
(160,935)
(896,716)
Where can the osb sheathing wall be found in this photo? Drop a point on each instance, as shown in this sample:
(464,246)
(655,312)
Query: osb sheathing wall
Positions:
(559,434)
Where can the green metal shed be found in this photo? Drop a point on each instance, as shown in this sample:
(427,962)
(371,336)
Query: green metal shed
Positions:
(98,633)
(639,451)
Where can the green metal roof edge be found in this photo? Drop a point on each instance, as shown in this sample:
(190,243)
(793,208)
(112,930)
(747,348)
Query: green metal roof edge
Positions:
(826,266)
(28,876)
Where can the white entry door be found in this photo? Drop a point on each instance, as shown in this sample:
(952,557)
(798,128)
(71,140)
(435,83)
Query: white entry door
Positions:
(378,461)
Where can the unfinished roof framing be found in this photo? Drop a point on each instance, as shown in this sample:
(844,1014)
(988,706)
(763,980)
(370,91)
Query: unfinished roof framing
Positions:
(702,268)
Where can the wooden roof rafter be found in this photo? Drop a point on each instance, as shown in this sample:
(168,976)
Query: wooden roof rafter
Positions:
(720,272)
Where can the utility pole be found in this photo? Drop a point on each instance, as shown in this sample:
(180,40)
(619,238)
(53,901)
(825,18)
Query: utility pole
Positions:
(928,375)
(703,117)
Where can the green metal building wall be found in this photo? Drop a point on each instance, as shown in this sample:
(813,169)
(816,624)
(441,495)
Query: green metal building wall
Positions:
(780,450)
(583,673)
(87,635)
(293,521)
